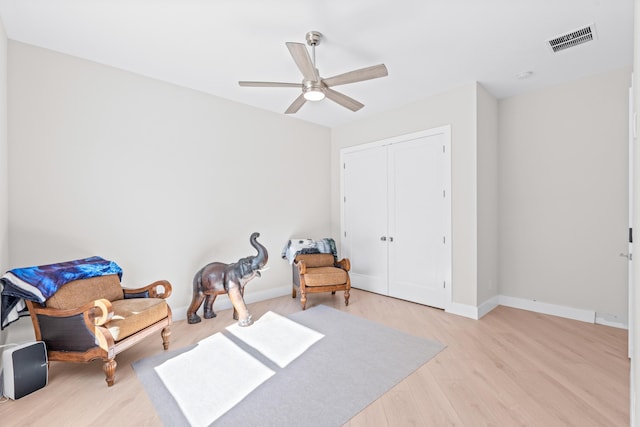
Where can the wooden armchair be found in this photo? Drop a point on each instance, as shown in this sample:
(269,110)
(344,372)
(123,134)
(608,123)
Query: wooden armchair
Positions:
(97,318)
(314,273)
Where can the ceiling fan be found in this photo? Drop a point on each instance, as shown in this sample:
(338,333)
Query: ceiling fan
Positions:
(314,87)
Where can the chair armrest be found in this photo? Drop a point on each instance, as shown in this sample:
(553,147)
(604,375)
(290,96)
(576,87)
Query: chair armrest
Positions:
(302,268)
(158,289)
(97,312)
(76,329)
(344,264)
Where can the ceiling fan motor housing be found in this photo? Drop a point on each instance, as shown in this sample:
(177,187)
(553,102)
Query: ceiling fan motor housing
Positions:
(313,38)
(313,91)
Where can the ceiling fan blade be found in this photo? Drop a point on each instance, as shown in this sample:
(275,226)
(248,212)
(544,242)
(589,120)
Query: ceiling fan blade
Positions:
(302,59)
(269,84)
(367,73)
(296,104)
(343,100)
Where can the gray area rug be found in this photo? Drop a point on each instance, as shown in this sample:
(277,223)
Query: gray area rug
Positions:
(355,363)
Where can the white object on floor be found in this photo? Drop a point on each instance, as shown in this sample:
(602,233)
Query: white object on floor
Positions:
(216,361)
(280,339)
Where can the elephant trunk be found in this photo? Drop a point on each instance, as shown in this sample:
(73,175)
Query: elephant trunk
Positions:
(260,260)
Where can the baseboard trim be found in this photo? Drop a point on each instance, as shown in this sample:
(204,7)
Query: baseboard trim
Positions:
(606,320)
(487,306)
(471,311)
(223,302)
(463,310)
(588,316)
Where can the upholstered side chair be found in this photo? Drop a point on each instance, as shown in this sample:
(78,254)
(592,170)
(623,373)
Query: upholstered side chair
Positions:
(314,273)
(96,318)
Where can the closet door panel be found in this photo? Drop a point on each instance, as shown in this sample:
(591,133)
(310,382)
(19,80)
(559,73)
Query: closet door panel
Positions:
(417,221)
(365,217)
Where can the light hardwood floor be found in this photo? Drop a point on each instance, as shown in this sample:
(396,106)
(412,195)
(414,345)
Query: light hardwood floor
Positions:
(511,368)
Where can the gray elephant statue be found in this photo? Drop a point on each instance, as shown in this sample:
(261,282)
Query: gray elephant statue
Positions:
(220,278)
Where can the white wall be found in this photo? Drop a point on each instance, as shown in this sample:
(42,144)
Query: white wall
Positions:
(4,162)
(488,218)
(159,178)
(458,108)
(4,155)
(563,167)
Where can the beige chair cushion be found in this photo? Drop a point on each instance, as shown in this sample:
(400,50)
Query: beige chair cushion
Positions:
(134,314)
(325,276)
(79,292)
(316,260)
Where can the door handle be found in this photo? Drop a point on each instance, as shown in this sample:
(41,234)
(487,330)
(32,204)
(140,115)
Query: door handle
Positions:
(383,238)
(628,256)
(391,239)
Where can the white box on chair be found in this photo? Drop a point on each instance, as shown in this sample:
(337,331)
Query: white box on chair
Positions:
(24,369)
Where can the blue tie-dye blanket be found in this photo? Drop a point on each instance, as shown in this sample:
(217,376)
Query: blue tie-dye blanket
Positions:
(40,282)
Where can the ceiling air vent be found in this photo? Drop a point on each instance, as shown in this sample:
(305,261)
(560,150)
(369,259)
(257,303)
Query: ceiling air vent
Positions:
(573,38)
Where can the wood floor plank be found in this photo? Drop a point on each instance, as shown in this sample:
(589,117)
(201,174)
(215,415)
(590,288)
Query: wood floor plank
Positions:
(511,368)
(372,415)
(437,409)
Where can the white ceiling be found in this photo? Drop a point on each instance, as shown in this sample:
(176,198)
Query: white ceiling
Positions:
(428,46)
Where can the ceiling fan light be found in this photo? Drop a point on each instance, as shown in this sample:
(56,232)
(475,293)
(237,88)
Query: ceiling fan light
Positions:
(314,95)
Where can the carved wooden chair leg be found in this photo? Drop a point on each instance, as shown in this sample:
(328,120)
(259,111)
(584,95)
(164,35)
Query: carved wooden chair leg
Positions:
(346,297)
(303,298)
(109,368)
(293,290)
(166,334)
